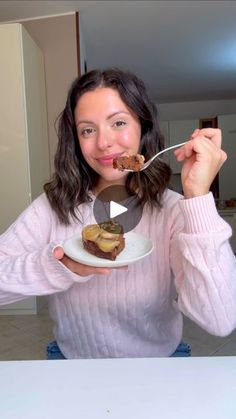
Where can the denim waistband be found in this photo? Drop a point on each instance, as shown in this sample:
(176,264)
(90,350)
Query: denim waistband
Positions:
(54,352)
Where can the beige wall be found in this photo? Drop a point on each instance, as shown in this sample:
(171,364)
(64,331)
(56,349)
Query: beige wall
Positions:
(57,38)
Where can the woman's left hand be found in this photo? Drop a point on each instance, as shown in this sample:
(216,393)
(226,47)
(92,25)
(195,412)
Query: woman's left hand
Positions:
(202,159)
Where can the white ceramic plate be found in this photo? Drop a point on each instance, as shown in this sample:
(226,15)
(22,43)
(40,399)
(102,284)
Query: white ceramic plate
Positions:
(136,248)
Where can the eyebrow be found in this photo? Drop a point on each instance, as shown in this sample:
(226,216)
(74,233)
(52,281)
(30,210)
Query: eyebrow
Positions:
(85,121)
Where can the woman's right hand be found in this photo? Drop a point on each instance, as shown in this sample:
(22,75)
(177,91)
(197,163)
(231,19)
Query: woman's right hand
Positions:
(76,267)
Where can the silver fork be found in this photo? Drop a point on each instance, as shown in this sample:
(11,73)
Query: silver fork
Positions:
(156,155)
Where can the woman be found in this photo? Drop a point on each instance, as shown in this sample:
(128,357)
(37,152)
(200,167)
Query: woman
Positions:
(133,311)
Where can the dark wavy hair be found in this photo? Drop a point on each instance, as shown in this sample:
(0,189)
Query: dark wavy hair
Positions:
(73,178)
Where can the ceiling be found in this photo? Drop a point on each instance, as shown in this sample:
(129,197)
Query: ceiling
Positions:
(184,50)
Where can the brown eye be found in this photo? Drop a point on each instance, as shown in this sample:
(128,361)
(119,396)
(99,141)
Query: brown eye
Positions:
(86,132)
(119,123)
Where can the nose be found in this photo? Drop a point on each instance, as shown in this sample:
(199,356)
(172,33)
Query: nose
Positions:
(104,139)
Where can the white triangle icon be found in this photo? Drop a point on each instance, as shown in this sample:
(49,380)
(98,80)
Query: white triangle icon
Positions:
(116,209)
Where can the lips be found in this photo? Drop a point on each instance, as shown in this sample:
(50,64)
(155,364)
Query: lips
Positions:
(108,160)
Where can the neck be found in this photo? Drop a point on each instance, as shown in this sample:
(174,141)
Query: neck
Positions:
(103,184)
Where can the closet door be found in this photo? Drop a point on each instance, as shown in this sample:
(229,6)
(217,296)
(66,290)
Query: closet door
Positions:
(24,157)
(14,165)
(180,131)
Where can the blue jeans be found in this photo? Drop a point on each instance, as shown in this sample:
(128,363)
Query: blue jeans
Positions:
(53,351)
(184,349)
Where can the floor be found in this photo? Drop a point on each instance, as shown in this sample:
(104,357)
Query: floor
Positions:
(26,337)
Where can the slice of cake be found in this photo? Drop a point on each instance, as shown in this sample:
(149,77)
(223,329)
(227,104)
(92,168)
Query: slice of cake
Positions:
(135,162)
(105,240)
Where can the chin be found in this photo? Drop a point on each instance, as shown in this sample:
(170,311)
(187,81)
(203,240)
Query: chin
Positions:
(112,176)
(115,179)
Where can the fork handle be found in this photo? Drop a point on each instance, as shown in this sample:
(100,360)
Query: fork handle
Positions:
(163,151)
(171,147)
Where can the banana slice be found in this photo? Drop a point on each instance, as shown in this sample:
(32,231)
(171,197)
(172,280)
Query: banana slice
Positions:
(107,245)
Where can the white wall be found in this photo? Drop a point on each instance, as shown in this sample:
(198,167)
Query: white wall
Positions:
(196,110)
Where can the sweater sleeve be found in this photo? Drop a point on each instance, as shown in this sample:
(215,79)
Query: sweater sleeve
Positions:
(27,265)
(204,265)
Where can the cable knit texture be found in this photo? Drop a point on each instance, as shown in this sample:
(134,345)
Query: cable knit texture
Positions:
(134,312)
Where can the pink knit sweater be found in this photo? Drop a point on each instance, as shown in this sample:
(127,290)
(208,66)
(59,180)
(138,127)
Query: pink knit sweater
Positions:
(135,312)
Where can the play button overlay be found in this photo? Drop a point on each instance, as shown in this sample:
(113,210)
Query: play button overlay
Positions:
(114,203)
(116,209)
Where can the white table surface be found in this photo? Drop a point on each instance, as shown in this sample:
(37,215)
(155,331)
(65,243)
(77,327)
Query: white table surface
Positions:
(154,388)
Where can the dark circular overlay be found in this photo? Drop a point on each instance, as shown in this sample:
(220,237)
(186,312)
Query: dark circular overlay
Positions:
(107,204)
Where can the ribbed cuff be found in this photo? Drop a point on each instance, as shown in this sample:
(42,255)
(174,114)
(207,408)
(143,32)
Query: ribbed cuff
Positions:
(200,214)
(64,271)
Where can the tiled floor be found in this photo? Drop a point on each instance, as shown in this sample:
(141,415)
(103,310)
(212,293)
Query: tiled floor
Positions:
(26,337)
(204,344)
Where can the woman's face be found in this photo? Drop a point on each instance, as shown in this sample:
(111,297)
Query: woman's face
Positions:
(106,129)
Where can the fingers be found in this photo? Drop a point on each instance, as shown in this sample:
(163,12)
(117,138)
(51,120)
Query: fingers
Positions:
(193,146)
(195,133)
(213,134)
(202,150)
(202,159)
(89,270)
(79,268)
(83,270)
(58,253)
(201,141)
